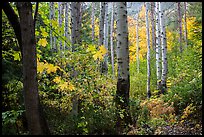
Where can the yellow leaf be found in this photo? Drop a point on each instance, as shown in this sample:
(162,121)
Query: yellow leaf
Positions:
(57,79)
(42,42)
(44,34)
(71,87)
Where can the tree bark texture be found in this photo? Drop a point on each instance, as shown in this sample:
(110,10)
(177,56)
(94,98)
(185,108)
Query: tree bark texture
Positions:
(153,25)
(164,50)
(185,25)
(123,83)
(158,45)
(148,52)
(75,24)
(180,26)
(111,40)
(92,21)
(36,122)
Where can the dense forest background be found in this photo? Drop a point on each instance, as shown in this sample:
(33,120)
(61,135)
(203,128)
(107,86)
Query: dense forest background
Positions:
(90,68)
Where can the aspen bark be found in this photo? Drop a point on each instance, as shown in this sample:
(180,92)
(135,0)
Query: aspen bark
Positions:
(180,26)
(185,25)
(37,124)
(148,52)
(164,50)
(66,29)
(111,40)
(123,83)
(60,21)
(101,23)
(158,45)
(153,25)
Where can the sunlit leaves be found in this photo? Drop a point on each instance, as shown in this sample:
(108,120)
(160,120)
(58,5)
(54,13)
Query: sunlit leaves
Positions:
(16,56)
(57,79)
(101,53)
(42,42)
(54,24)
(41,66)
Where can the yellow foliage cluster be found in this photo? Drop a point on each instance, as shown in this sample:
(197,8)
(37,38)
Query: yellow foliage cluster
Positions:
(187,111)
(158,108)
(101,53)
(41,66)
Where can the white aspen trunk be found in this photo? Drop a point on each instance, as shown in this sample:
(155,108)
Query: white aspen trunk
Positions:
(148,52)
(66,29)
(153,26)
(60,21)
(164,50)
(92,21)
(105,63)
(54,38)
(185,25)
(137,43)
(111,40)
(158,45)
(123,84)
(180,26)
(101,23)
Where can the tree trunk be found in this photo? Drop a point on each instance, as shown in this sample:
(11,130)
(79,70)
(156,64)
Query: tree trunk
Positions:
(185,25)
(106,24)
(111,40)
(180,26)
(101,23)
(60,21)
(92,21)
(158,45)
(137,42)
(164,51)
(66,26)
(75,24)
(148,52)
(36,122)
(153,26)
(123,84)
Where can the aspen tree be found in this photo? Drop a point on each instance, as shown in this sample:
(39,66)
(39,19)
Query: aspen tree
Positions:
(164,50)
(123,83)
(158,45)
(185,25)
(51,17)
(153,25)
(180,26)
(111,40)
(148,51)
(60,20)
(66,26)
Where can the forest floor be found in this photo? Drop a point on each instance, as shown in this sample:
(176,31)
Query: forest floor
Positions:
(186,128)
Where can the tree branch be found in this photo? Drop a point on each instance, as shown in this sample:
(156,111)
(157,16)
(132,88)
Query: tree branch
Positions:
(14,20)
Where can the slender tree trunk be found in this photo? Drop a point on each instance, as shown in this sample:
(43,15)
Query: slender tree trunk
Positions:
(75,38)
(60,21)
(180,26)
(185,25)
(54,38)
(111,40)
(123,84)
(75,24)
(105,62)
(34,114)
(158,45)
(103,65)
(148,52)
(153,26)
(92,21)
(66,29)
(164,51)
(137,43)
